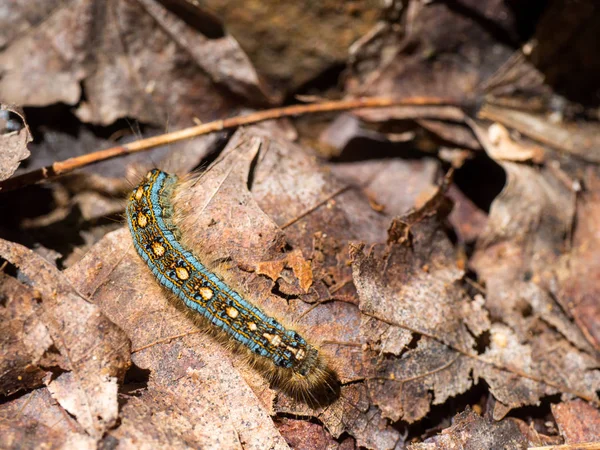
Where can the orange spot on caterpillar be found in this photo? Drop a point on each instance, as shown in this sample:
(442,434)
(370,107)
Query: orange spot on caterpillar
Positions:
(182,273)
(142,220)
(232,312)
(158,249)
(206,293)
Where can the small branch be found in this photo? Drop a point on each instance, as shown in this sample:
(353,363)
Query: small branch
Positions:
(575,446)
(71,164)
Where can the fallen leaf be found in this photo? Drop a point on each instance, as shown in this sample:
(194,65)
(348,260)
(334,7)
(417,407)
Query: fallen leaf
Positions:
(470,431)
(573,280)
(13,143)
(91,352)
(579,139)
(578,422)
(291,44)
(37,417)
(525,235)
(153,59)
(436,51)
(500,146)
(310,436)
(25,339)
(397,184)
(301,280)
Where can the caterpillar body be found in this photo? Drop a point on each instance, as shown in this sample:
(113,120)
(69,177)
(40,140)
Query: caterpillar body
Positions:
(286,358)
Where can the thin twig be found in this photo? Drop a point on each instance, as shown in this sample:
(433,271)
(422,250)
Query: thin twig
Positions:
(69,165)
(574,446)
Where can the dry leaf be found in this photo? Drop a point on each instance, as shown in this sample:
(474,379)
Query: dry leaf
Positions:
(527,231)
(133,59)
(578,422)
(574,279)
(62,334)
(472,432)
(292,43)
(13,143)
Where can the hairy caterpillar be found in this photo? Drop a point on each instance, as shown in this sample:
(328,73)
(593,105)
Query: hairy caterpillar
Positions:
(290,363)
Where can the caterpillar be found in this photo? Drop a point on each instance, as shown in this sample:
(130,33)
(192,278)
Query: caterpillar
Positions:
(289,362)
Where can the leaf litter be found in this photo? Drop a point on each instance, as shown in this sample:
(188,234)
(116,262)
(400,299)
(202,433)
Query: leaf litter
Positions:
(367,267)
(62,342)
(409,289)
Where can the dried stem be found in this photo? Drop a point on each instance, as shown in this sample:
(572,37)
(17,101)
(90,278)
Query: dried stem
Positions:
(68,165)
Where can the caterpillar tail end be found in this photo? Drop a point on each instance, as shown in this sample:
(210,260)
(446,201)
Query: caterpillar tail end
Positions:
(313,382)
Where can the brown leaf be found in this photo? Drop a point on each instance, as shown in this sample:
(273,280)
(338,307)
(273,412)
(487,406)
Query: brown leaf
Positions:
(310,436)
(93,352)
(575,278)
(525,235)
(300,267)
(579,139)
(397,184)
(37,417)
(13,143)
(473,432)
(468,220)
(499,146)
(160,68)
(25,340)
(28,433)
(440,50)
(577,421)
(414,284)
(292,43)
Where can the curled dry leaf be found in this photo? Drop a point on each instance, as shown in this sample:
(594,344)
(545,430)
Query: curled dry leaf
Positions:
(500,147)
(13,143)
(472,432)
(51,330)
(133,59)
(579,139)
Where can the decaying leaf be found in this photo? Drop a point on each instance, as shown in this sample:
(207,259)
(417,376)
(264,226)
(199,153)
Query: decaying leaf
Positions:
(37,417)
(528,229)
(580,139)
(436,51)
(472,432)
(133,59)
(292,43)
(578,422)
(574,279)
(13,142)
(59,338)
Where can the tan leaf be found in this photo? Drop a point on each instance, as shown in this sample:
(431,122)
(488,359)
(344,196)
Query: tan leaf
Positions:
(94,353)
